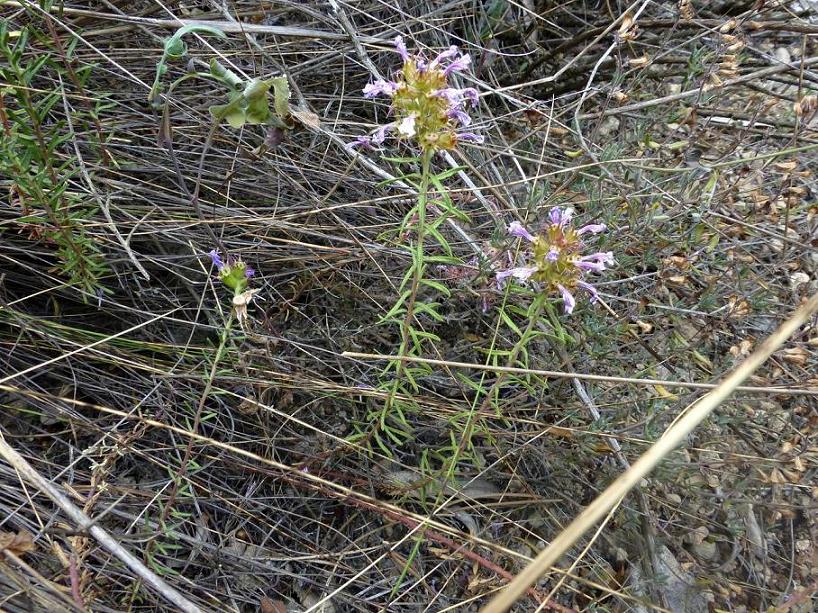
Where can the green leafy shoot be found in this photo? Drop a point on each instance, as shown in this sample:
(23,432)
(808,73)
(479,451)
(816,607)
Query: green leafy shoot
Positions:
(175,48)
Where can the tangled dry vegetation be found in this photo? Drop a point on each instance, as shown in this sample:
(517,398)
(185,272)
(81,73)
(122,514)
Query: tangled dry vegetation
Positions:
(688,128)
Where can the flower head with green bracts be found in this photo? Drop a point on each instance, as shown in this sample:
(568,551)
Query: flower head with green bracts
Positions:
(234,273)
(555,257)
(427,109)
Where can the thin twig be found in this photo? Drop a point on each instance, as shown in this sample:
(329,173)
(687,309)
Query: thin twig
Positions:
(672,438)
(582,376)
(27,472)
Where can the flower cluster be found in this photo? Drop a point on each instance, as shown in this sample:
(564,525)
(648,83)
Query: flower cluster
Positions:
(236,275)
(425,107)
(556,260)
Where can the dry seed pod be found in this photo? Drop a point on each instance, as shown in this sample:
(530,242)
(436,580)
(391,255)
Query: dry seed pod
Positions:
(806,105)
(638,62)
(620,96)
(686,9)
(713,82)
(728,26)
(628,30)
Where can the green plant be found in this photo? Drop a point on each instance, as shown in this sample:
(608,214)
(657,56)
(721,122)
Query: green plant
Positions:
(34,152)
(428,113)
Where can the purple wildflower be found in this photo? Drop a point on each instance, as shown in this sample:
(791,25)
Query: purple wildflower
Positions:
(515,228)
(407,126)
(444,55)
(590,289)
(470,137)
(561,217)
(459,65)
(424,106)
(216,259)
(456,97)
(380,87)
(460,116)
(380,135)
(362,141)
(523,273)
(400,46)
(555,258)
(595,261)
(593,228)
(568,300)
(233,272)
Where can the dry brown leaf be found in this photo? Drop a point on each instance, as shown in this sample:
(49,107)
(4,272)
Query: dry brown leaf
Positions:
(686,9)
(737,308)
(730,25)
(639,62)
(272,606)
(786,166)
(628,30)
(805,105)
(794,355)
(17,543)
(308,119)
(620,96)
(742,349)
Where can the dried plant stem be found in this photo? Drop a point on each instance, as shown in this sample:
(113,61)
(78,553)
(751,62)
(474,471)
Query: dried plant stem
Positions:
(672,438)
(557,374)
(27,472)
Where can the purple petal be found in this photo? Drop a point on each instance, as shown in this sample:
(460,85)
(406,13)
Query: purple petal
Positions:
(456,97)
(604,257)
(593,228)
(515,228)
(568,299)
(216,259)
(461,116)
(594,266)
(553,254)
(380,135)
(400,46)
(590,289)
(249,272)
(523,273)
(387,88)
(470,94)
(459,65)
(596,261)
(445,55)
(453,95)
(362,141)
(470,137)
(560,217)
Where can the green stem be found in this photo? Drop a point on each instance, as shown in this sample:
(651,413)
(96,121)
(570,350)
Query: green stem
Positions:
(540,302)
(418,268)
(180,475)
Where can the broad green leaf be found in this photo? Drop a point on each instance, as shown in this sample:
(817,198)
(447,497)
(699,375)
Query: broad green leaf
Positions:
(257,108)
(281,96)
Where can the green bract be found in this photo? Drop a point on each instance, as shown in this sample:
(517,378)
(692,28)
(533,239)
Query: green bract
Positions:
(248,102)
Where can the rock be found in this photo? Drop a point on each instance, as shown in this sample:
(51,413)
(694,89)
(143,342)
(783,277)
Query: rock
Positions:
(783,55)
(679,587)
(706,550)
(609,126)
